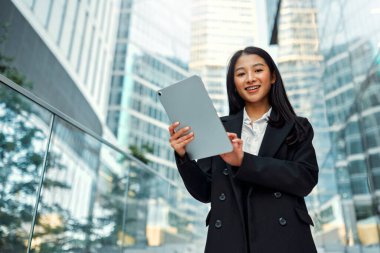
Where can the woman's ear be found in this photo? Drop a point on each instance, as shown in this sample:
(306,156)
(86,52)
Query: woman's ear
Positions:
(273,78)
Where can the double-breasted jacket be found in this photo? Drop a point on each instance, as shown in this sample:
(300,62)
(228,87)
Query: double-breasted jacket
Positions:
(258,207)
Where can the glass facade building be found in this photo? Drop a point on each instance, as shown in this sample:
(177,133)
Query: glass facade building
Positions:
(66,46)
(219,28)
(351,85)
(152,52)
(300,63)
(63,187)
(329,58)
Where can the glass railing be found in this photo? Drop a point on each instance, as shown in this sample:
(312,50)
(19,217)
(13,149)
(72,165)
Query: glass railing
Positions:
(65,189)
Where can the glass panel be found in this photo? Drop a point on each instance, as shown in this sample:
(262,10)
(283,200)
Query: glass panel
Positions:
(160,217)
(24,131)
(96,200)
(186,221)
(108,215)
(68,208)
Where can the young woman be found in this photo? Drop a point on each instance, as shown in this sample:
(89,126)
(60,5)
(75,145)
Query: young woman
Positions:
(256,191)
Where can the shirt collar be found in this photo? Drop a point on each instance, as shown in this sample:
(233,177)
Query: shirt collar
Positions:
(247,120)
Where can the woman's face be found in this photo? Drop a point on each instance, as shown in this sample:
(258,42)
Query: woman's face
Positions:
(253,79)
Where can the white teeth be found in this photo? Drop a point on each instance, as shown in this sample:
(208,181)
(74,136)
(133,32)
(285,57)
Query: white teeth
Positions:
(253,87)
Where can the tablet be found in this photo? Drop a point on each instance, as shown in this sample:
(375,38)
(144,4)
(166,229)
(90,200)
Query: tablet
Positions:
(188,103)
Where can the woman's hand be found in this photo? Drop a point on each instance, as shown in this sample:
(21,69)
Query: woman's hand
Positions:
(178,140)
(235,157)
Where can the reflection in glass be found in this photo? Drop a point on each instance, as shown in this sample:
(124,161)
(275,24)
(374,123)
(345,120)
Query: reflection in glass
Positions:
(94,198)
(24,130)
(66,204)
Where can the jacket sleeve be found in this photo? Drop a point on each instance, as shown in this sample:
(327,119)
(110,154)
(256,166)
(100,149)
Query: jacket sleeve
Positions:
(297,177)
(196,176)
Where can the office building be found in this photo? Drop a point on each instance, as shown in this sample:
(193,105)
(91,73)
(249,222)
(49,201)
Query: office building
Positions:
(351,85)
(152,52)
(218,29)
(345,204)
(295,31)
(65,48)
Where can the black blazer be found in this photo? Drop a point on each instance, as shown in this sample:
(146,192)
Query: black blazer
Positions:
(258,207)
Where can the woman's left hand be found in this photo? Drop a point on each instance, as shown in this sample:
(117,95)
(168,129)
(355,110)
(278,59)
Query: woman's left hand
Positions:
(235,157)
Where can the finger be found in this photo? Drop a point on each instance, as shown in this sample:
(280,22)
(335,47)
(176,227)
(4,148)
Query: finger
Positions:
(231,135)
(183,143)
(172,127)
(238,141)
(185,137)
(181,139)
(180,132)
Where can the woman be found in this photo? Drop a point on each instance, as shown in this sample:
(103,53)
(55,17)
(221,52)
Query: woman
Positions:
(256,191)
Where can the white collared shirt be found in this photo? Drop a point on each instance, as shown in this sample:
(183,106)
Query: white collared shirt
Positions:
(252,133)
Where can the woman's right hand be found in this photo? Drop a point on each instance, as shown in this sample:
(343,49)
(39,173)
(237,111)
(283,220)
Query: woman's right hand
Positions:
(179,140)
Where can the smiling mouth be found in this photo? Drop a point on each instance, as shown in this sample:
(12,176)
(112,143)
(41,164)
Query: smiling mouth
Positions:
(252,88)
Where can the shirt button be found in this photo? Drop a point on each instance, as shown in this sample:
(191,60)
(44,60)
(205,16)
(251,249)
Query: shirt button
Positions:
(222,197)
(218,223)
(225,172)
(277,195)
(282,221)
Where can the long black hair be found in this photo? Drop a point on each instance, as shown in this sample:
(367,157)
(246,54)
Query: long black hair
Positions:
(277,94)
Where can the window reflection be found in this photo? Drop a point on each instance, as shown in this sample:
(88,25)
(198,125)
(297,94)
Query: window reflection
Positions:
(23,141)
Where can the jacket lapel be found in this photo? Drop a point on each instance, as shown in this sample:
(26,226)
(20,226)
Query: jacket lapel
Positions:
(272,140)
(274,137)
(234,123)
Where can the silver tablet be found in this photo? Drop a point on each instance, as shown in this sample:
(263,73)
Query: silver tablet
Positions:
(188,102)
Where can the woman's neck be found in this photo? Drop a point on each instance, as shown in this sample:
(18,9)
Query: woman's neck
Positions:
(256,111)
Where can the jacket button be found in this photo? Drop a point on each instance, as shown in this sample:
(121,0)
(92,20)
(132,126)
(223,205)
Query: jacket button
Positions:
(225,172)
(277,195)
(222,197)
(282,221)
(218,223)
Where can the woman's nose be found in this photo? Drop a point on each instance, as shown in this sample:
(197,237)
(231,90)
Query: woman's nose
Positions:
(251,77)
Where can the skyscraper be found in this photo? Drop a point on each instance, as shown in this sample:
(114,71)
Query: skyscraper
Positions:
(152,52)
(65,48)
(300,63)
(295,30)
(351,83)
(347,197)
(219,28)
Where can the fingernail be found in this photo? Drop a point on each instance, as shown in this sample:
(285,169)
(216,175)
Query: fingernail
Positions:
(187,128)
(176,123)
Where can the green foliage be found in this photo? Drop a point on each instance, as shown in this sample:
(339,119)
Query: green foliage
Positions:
(139,153)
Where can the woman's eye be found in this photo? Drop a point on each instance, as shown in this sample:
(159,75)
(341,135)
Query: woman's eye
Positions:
(258,70)
(240,74)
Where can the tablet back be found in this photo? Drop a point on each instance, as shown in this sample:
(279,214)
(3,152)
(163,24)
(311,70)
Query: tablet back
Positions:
(188,102)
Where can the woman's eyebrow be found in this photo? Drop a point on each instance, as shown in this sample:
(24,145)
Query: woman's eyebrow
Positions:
(254,65)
